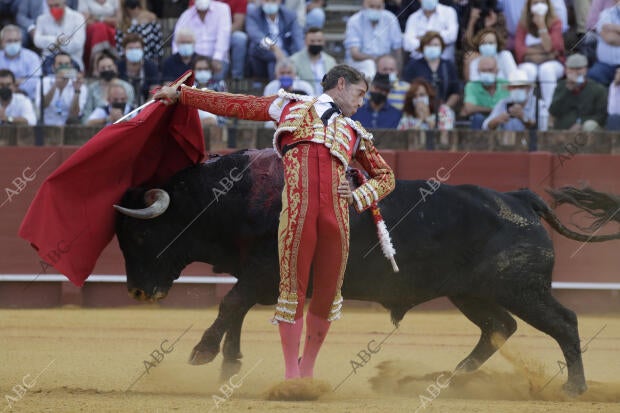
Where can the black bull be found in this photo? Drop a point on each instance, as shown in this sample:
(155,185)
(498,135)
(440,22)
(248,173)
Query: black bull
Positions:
(485,250)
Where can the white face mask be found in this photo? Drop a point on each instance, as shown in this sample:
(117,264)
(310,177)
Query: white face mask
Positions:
(539,8)
(518,95)
(487,78)
(420,99)
(203,5)
(393,77)
(202,76)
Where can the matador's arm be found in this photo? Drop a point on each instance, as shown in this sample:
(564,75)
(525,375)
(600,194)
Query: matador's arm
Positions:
(381,181)
(228,104)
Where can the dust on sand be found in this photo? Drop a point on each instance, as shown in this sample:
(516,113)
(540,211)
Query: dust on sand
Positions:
(99,353)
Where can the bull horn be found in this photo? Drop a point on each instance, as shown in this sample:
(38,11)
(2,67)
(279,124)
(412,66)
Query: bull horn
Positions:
(157,200)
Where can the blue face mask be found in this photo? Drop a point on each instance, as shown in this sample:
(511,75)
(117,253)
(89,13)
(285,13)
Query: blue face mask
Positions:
(134,55)
(270,8)
(186,49)
(488,49)
(373,14)
(202,76)
(11,49)
(429,5)
(285,81)
(432,52)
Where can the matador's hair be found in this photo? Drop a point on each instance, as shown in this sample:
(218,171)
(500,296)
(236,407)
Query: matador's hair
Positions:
(350,75)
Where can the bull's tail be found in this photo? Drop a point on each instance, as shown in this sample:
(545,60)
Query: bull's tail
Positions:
(586,200)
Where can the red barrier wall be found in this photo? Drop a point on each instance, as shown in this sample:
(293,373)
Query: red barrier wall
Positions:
(501,171)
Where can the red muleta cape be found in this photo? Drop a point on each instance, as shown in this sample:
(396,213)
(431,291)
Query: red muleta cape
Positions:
(71,219)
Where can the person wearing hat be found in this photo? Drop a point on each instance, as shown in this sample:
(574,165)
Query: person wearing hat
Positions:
(578,103)
(377,113)
(517,112)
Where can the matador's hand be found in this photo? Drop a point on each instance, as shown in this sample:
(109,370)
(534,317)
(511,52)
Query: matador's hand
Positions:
(168,95)
(344,190)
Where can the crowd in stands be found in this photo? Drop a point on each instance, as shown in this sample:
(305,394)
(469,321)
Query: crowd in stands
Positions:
(431,64)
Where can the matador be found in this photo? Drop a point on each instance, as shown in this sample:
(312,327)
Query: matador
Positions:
(316,139)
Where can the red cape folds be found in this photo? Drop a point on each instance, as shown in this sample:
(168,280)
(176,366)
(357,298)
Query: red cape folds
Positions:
(71,219)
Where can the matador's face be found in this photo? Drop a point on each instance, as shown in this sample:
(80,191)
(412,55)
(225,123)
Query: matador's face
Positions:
(351,97)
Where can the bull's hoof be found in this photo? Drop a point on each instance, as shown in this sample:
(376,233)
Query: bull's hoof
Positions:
(574,389)
(229,369)
(200,356)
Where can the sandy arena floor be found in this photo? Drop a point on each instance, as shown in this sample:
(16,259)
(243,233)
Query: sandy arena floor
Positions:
(84,360)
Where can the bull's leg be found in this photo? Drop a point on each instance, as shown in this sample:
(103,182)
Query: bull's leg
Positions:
(495,324)
(234,303)
(231,349)
(542,311)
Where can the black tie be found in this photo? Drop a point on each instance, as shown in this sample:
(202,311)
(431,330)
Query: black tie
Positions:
(329,112)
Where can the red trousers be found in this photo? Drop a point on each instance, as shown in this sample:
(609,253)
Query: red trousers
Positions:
(313,232)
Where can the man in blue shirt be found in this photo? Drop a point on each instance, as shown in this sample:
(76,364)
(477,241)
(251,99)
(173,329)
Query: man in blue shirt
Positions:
(377,113)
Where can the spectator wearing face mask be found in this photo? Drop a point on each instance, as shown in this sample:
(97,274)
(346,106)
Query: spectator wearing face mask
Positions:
(64,93)
(432,17)
(488,43)
(15,108)
(312,63)
(116,108)
(203,79)
(608,46)
(539,46)
(60,29)
(210,21)
(134,68)
(106,71)
(286,78)
(377,113)
(517,112)
(578,103)
(388,65)
(23,63)
(482,95)
(370,33)
(420,112)
(181,61)
(441,73)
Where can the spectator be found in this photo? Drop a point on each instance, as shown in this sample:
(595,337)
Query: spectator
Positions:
(539,46)
(441,73)
(309,13)
(518,111)
(513,12)
(578,104)
(15,108)
(370,33)
(238,38)
(388,65)
(419,109)
(286,78)
(64,93)
(23,63)
(203,79)
(135,18)
(377,113)
(101,16)
(274,33)
(203,75)
(181,61)
(488,43)
(106,70)
(8,10)
(432,17)
(60,29)
(613,105)
(210,21)
(483,14)
(117,107)
(312,63)
(608,47)
(134,68)
(482,95)
(27,13)
(596,8)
